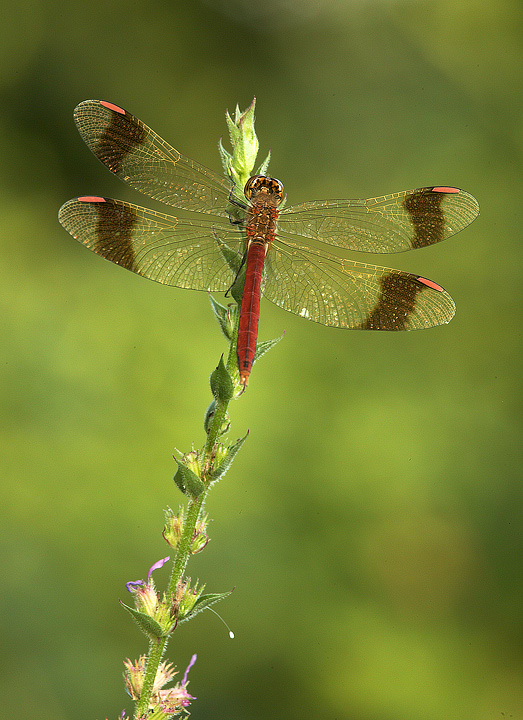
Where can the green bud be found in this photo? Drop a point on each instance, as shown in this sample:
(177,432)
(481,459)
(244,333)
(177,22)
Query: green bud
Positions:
(239,166)
(209,414)
(221,383)
(192,461)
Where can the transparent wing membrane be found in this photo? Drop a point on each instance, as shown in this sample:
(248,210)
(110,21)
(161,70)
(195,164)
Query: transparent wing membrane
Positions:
(182,253)
(393,223)
(148,163)
(343,293)
(299,277)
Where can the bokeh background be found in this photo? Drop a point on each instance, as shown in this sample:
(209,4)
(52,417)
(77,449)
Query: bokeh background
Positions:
(372,525)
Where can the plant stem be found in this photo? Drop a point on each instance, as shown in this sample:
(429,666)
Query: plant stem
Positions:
(183,551)
(156,651)
(220,410)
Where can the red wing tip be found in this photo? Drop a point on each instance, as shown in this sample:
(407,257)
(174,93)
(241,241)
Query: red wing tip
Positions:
(431,284)
(91,199)
(111,106)
(445,189)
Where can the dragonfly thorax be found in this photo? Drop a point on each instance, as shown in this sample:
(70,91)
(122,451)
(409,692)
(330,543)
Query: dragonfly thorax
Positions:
(262,186)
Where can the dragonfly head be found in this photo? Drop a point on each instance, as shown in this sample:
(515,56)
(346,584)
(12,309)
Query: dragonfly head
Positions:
(261,186)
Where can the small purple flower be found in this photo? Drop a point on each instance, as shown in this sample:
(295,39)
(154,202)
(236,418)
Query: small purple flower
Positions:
(156,566)
(178,696)
(146,597)
(133,585)
(189,666)
(170,700)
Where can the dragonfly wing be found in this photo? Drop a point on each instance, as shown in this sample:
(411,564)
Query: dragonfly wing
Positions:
(182,253)
(146,162)
(347,294)
(392,223)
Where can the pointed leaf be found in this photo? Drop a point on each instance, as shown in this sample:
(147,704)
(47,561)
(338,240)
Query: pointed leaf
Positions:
(225,157)
(146,623)
(264,167)
(203,602)
(226,463)
(224,316)
(233,259)
(237,287)
(187,481)
(265,346)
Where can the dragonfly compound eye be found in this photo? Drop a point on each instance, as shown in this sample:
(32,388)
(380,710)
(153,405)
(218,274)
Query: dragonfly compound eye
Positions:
(263,184)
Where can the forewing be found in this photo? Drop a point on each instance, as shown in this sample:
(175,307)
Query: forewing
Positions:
(342,293)
(146,162)
(392,223)
(182,253)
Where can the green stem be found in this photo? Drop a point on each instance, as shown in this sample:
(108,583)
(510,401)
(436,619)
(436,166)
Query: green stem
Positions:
(184,546)
(156,651)
(157,647)
(221,406)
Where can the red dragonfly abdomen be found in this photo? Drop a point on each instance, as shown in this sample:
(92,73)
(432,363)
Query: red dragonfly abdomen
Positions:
(250,310)
(264,194)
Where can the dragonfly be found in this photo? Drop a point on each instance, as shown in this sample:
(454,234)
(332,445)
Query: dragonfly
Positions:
(281,249)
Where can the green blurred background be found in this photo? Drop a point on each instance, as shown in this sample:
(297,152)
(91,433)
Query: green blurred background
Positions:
(372,525)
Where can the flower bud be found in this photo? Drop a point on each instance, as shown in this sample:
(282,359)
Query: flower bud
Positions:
(186,598)
(162,703)
(239,166)
(200,537)
(133,676)
(173,528)
(153,614)
(191,460)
